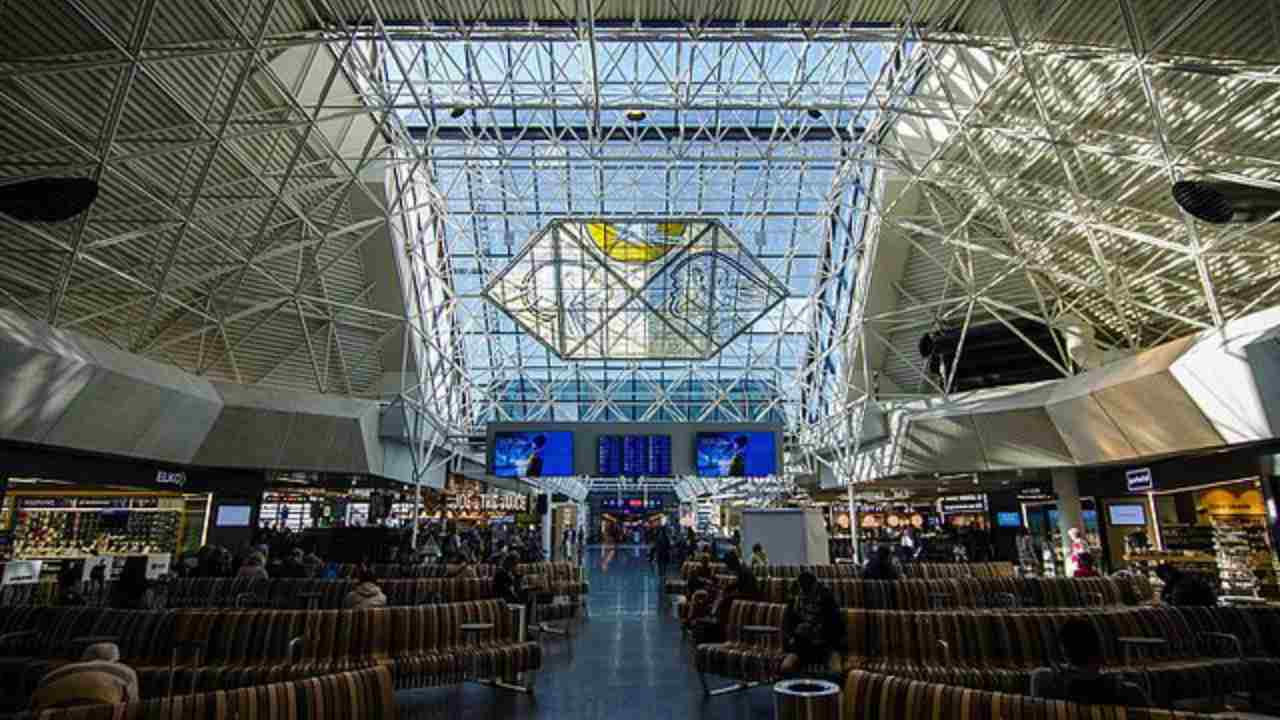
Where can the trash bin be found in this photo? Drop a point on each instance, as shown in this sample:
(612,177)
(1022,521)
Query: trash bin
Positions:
(806,700)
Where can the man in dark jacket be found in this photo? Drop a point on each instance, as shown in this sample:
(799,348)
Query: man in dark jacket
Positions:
(661,553)
(1182,588)
(506,583)
(812,626)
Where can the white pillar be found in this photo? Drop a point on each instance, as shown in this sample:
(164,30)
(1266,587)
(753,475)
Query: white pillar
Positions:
(1068,491)
(546,530)
(853,524)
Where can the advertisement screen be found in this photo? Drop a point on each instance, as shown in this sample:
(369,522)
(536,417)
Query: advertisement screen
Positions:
(1127,515)
(1009,519)
(233,516)
(737,454)
(546,453)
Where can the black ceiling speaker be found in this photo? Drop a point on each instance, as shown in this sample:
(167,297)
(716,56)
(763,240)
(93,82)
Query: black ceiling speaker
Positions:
(1225,202)
(47,199)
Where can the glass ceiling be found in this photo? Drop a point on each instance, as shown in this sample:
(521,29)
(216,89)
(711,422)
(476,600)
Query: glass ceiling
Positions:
(756,136)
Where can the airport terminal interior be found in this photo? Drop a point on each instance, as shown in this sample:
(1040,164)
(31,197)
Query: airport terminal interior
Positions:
(610,359)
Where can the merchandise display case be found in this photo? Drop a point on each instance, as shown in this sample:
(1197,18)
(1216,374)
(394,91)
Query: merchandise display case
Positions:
(1246,564)
(69,526)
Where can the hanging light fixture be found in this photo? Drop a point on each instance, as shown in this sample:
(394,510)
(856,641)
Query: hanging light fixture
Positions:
(1225,202)
(636,115)
(47,199)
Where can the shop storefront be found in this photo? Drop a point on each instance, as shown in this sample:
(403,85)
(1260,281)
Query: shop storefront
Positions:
(46,527)
(1044,536)
(1217,531)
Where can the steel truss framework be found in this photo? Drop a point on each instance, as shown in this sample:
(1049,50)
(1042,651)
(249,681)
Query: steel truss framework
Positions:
(252,154)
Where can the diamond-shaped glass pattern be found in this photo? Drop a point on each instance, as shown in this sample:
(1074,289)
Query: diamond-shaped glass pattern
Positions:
(629,290)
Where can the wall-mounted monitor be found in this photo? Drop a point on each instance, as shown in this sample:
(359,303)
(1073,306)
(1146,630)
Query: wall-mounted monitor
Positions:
(541,453)
(1009,519)
(233,516)
(1127,515)
(659,456)
(633,456)
(737,454)
(609,455)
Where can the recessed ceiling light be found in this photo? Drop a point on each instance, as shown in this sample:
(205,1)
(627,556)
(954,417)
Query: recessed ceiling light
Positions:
(636,115)
(457,111)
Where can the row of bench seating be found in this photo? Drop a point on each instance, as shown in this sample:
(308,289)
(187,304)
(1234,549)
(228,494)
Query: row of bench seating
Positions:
(875,696)
(923,571)
(1205,651)
(937,571)
(358,695)
(566,577)
(973,592)
(968,592)
(218,649)
(321,594)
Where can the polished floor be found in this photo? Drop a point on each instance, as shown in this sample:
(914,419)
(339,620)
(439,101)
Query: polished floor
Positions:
(627,661)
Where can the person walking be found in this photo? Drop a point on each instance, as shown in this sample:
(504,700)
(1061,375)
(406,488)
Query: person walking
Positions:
(660,554)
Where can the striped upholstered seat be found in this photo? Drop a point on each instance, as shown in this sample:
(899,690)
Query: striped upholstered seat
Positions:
(329,594)
(998,650)
(361,695)
(874,696)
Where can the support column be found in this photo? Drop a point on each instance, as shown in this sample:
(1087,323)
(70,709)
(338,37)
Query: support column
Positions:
(853,524)
(1269,472)
(1067,489)
(547,549)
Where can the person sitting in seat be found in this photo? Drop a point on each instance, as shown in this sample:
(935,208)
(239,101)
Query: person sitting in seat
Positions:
(98,679)
(1084,566)
(1181,588)
(759,560)
(295,566)
(506,583)
(366,594)
(744,583)
(254,567)
(1082,680)
(701,578)
(881,565)
(812,626)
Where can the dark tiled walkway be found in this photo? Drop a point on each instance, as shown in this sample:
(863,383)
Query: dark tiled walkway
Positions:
(627,661)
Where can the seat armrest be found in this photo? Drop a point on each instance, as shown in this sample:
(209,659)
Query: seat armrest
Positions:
(1216,642)
(18,635)
(946,652)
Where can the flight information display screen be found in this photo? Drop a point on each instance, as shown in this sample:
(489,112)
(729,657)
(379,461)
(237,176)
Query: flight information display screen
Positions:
(609,455)
(660,456)
(633,456)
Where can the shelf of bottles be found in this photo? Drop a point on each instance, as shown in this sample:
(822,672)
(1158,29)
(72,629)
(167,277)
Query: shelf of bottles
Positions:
(1246,565)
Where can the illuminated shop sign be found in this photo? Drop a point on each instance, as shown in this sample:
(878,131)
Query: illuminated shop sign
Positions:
(489,502)
(962,504)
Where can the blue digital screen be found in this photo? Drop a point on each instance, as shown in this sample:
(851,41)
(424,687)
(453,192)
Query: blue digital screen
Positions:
(609,455)
(635,455)
(659,456)
(1009,519)
(546,453)
(737,454)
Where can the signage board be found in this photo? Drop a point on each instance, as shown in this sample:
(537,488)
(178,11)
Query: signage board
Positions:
(1139,480)
(1036,492)
(43,502)
(21,572)
(489,502)
(952,504)
(167,477)
(90,563)
(158,565)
